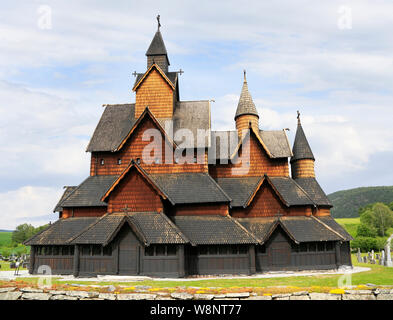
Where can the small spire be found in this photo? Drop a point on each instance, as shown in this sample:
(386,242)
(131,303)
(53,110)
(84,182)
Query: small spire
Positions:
(245,79)
(298,117)
(159,24)
(301,148)
(246,104)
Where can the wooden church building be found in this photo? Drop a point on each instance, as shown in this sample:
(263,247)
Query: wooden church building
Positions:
(231,202)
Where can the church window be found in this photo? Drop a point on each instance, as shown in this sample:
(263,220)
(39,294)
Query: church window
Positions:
(119,161)
(102,162)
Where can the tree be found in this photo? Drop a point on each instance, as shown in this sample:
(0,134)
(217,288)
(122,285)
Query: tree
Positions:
(22,233)
(390,205)
(364,230)
(378,217)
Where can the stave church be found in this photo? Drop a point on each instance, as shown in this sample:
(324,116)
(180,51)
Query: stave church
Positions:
(167,196)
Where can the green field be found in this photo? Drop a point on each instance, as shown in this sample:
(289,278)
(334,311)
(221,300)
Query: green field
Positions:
(5,238)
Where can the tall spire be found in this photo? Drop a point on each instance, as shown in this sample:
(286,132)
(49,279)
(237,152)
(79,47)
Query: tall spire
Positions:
(301,149)
(246,106)
(156,53)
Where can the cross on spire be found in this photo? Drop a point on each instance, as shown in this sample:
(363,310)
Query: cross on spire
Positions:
(159,24)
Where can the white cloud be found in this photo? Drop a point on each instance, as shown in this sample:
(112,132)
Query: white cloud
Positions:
(28,204)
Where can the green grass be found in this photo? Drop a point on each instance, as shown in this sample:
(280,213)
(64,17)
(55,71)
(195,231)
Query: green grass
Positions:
(378,275)
(350,224)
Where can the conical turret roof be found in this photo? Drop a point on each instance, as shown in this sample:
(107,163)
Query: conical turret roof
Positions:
(245,105)
(157,46)
(301,149)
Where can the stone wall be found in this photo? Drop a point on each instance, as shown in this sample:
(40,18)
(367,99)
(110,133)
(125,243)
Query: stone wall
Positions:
(13,293)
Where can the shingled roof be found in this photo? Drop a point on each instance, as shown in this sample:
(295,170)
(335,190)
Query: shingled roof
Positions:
(152,227)
(182,188)
(301,149)
(239,189)
(66,193)
(213,230)
(299,228)
(245,105)
(290,191)
(276,142)
(114,125)
(157,46)
(329,221)
(314,190)
(61,232)
(89,192)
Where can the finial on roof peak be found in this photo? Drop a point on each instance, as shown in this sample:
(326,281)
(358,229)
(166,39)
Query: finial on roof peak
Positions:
(244,72)
(298,117)
(159,24)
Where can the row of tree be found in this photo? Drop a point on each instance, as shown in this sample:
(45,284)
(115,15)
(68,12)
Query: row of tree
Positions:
(375,221)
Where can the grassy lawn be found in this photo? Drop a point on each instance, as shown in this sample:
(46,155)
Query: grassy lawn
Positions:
(5,266)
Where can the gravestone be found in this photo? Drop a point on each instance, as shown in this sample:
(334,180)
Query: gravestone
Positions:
(372,254)
(359,255)
(388,258)
(365,259)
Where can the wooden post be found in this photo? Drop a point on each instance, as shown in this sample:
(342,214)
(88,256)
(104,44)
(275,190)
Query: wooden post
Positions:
(32,259)
(116,257)
(180,251)
(76,260)
(338,254)
(251,252)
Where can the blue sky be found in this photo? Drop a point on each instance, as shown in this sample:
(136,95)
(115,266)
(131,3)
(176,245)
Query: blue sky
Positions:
(298,56)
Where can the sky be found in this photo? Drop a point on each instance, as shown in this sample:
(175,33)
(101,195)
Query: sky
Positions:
(60,61)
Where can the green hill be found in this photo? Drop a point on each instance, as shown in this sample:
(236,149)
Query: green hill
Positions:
(347,202)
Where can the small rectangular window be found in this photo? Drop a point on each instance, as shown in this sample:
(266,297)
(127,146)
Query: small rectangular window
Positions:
(102,162)
(65,250)
(321,246)
(213,250)
(107,251)
(55,251)
(312,247)
(261,249)
(118,161)
(149,251)
(329,246)
(160,250)
(96,250)
(234,249)
(222,249)
(171,250)
(48,251)
(86,251)
(243,249)
(202,250)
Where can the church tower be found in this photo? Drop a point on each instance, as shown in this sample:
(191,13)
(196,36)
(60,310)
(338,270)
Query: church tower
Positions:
(302,161)
(156,53)
(246,113)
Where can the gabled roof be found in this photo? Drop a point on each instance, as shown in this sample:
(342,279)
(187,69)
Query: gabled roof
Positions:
(329,221)
(114,125)
(239,190)
(66,193)
(172,76)
(117,121)
(185,188)
(314,190)
(160,71)
(213,229)
(299,228)
(275,142)
(89,192)
(146,113)
(143,173)
(301,149)
(61,232)
(245,105)
(150,228)
(291,193)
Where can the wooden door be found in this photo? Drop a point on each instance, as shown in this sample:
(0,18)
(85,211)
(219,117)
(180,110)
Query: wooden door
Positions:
(129,253)
(280,254)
